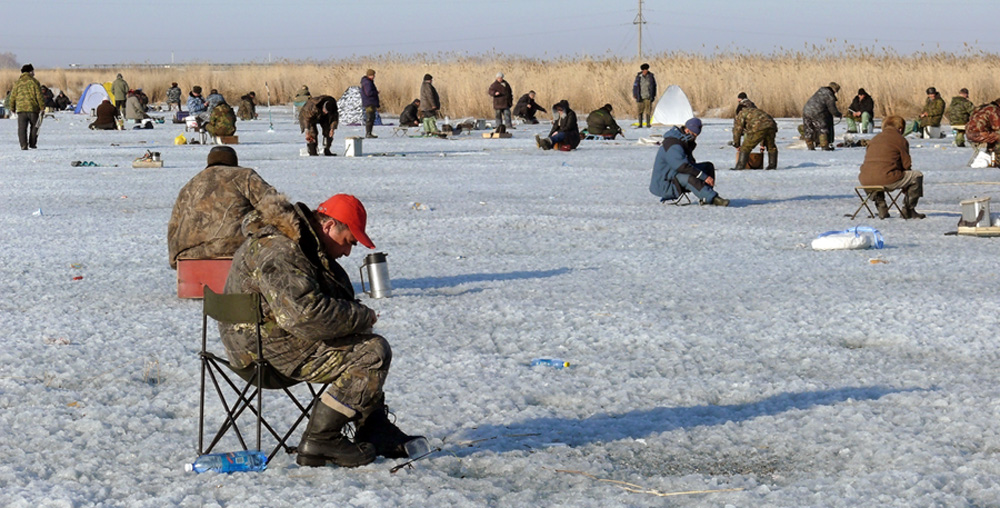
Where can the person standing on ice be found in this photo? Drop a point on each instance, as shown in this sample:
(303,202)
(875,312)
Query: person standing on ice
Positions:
(429,103)
(887,162)
(119,89)
(503,100)
(26,100)
(644,93)
(208,214)
(320,110)
(817,117)
(174,97)
(369,101)
(316,330)
(675,170)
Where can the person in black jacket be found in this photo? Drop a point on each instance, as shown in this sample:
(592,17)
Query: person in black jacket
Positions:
(862,109)
(526,108)
(565,131)
(409,116)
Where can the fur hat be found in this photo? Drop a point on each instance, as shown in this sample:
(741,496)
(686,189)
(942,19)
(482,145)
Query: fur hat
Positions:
(500,75)
(693,125)
(428,77)
(742,95)
(644,67)
(607,107)
(222,156)
(27,68)
(834,86)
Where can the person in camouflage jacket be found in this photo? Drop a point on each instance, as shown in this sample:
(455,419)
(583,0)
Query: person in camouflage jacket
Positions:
(207,217)
(930,116)
(314,328)
(248,107)
(600,122)
(755,127)
(174,97)
(817,117)
(983,126)
(222,120)
(320,110)
(958,114)
(27,101)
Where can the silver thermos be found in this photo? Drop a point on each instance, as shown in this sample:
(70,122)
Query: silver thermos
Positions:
(378,276)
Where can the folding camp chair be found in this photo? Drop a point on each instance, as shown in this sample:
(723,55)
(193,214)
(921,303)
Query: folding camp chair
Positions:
(866,193)
(261,376)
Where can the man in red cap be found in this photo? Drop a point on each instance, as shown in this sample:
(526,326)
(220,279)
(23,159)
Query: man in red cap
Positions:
(316,330)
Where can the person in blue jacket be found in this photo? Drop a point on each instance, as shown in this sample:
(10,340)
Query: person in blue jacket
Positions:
(369,101)
(675,170)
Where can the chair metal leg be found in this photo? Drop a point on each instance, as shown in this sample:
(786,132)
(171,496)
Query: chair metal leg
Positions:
(864,203)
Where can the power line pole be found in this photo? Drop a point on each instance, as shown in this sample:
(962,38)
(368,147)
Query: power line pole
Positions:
(639,21)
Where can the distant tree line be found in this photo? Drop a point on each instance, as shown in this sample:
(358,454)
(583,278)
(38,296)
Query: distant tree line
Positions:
(8,60)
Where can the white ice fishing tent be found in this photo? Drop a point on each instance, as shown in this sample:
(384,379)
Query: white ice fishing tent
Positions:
(673,108)
(92,96)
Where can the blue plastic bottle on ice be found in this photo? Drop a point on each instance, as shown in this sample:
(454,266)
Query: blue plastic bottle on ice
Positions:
(557,363)
(248,460)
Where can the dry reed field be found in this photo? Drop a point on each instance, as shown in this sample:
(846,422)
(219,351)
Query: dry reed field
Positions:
(779,83)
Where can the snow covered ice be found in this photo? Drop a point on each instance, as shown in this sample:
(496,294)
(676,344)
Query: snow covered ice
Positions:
(710,348)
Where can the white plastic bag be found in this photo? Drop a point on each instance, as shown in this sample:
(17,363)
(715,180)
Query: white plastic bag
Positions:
(858,237)
(982,160)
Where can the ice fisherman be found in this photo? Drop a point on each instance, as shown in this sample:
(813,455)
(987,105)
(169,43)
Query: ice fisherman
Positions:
(503,100)
(644,93)
(930,116)
(565,132)
(743,101)
(983,127)
(119,89)
(174,97)
(196,104)
(133,108)
(430,104)
(320,110)
(600,122)
(887,162)
(675,170)
(410,115)
(208,214)
(755,127)
(222,120)
(861,110)
(526,108)
(958,114)
(107,117)
(817,117)
(248,106)
(317,330)
(25,99)
(369,101)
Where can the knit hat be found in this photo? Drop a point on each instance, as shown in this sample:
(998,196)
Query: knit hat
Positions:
(27,68)
(428,77)
(742,95)
(693,125)
(861,91)
(499,74)
(370,72)
(222,156)
(931,91)
(834,86)
(348,210)
(607,107)
(196,89)
(964,90)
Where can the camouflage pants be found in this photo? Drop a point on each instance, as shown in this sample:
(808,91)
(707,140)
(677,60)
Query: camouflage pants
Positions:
(813,127)
(356,366)
(762,137)
(312,133)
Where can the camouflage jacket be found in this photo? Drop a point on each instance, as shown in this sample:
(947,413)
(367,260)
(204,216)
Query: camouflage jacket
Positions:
(751,120)
(984,124)
(307,298)
(959,110)
(222,121)
(821,104)
(174,95)
(935,110)
(207,217)
(119,89)
(312,114)
(248,109)
(26,96)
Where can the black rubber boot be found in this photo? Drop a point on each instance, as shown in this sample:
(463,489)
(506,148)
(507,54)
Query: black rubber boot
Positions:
(742,160)
(323,442)
(312,148)
(883,208)
(376,429)
(913,194)
(326,148)
(772,160)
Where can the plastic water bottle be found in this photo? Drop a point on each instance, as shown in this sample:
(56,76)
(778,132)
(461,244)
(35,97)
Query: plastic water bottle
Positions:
(557,363)
(248,460)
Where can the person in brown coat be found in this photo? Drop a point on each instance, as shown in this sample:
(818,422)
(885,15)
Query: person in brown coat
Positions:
(887,163)
(503,100)
(107,117)
(208,215)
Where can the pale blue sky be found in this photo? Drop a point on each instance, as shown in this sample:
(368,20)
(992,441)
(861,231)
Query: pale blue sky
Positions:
(56,33)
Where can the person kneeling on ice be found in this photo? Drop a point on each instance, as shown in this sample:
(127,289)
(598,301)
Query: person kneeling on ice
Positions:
(316,330)
(600,122)
(208,214)
(107,117)
(887,162)
(565,132)
(675,171)
(321,110)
